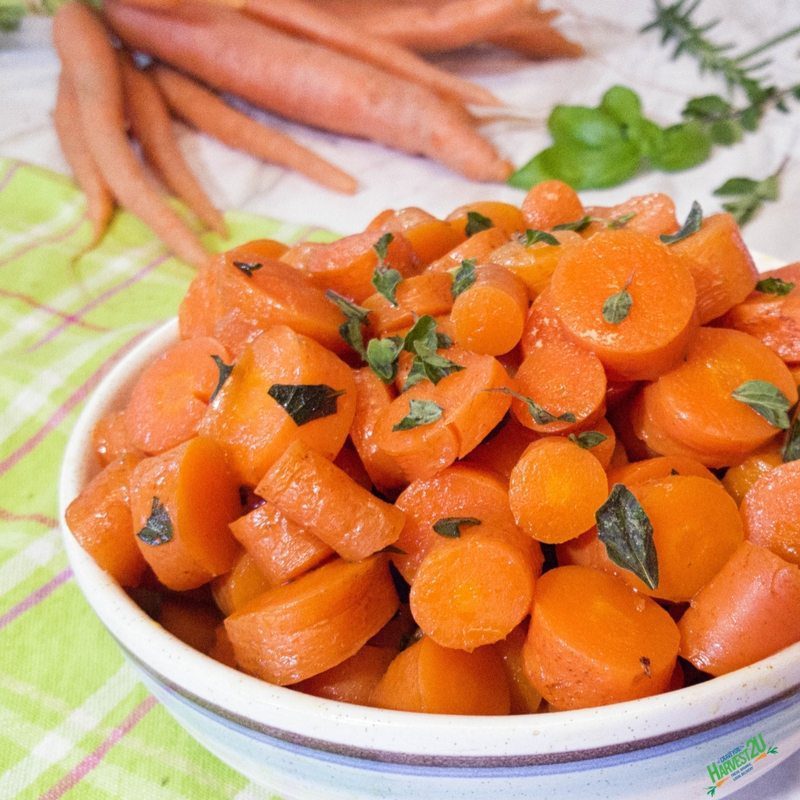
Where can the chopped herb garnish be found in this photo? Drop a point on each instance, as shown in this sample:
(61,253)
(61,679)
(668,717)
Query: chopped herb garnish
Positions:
(352,330)
(382,357)
(747,195)
(533,236)
(305,402)
(791,447)
(224,373)
(617,307)
(158,528)
(463,277)
(626,531)
(248,267)
(576,225)
(423,331)
(775,286)
(476,223)
(423,341)
(381,247)
(443,341)
(588,439)
(621,221)
(694,221)
(541,416)
(393,549)
(420,412)
(450,526)
(765,399)
(385,280)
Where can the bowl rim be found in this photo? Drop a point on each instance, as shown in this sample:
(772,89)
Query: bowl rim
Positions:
(378,733)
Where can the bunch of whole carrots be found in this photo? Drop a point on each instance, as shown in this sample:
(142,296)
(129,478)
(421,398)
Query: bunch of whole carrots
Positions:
(347,68)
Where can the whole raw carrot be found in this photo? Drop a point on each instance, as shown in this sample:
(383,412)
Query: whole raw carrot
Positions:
(207,112)
(89,60)
(277,72)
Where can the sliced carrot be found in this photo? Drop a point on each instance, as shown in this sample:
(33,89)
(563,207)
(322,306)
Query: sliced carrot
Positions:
(198,311)
(593,641)
(757,592)
(656,468)
(555,489)
(344,515)
(350,463)
(739,479)
(400,631)
(100,519)
(477,247)
(172,393)
(542,325)
(238,587)
(192,622)
(488,317)
(601,448)
(649,333)
(182,502)
(721,265)
(551,203)
(433,679)
(505,216)
(651,214)
(110,439)
(222,649)
(307,626)
(500,451)
(771,511)
(254,428)
(524,697)
(281,548)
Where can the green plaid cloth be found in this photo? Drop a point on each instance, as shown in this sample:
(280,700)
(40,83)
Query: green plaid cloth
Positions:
(74,721)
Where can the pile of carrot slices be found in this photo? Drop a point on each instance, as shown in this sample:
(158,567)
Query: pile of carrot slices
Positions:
(517,459)
(349,70)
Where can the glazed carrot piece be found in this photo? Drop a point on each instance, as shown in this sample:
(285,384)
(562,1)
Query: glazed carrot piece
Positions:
(739,479)
(372,397)
(473,590)
(489,316)
(238,587)
(477,247)
(433,679)
(151,124)
(350,463)
(100,520)
(524,697)
(192,622)
(771,511)
(222,649)
(629,300)
(551,203)
(721,265)
(772,318)
(400,631)
(756,591)
(694,404)
(555,489)
(110,438)
(254,428)
(564,380)
(651,214)
(172,394)
(501,450)
(90,62)
(352,681)
(344,515)
(590,437)
(310,625)
(281,548)
(505,216)
(99,199)
(355,99)
(182,502)
(656,468)
(542,325)
(593,641)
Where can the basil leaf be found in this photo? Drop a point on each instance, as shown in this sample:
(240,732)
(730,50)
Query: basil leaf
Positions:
(450,526)
(734,186)
(622,104)
(694,221)
(576,225)
(591,127)
(532,236)
(382,357)
(385,280)
(765,399)
(791,447)
(248,267)
(476,223)
(680,147)
(381,247)
(420,412)
(224,373)
(583,167)
(626,531)
(774,286)
(158,528)
(305,402)
(541,416)
(351,330)
(588,439)
(463,277)
(617,307)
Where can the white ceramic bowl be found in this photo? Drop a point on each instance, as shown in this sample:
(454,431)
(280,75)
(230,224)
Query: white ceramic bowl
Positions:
(305,748)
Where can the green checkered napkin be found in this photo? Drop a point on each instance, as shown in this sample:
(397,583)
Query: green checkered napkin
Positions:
(74,722)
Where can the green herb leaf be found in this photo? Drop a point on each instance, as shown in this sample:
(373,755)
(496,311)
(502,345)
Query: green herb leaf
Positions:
(158,528)
(352,330)
(541,416)
(626,531)
(621,221)
(381,247)
(224,373)
(748,195)
(420,412)
(532,236)
(791,447)
(623,105)
(385,280)
(11,18)
(436,367)
(776,286)
(305,402)
(423,331)
(592,127)
(248,267)
(382,357)
(476,223)
(393,548)
(588,439)
(463,277)
(694,220)
(617,307)
(443,341)
(765,399)
(681,147)
(576,225)
(450,526)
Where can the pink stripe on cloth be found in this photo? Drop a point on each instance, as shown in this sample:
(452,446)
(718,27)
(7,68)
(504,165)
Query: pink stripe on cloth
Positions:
(34,303)
(35,598)
(6,179)
(53,238)
(75,318)
(42,519)
(81,770)
(61,412)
